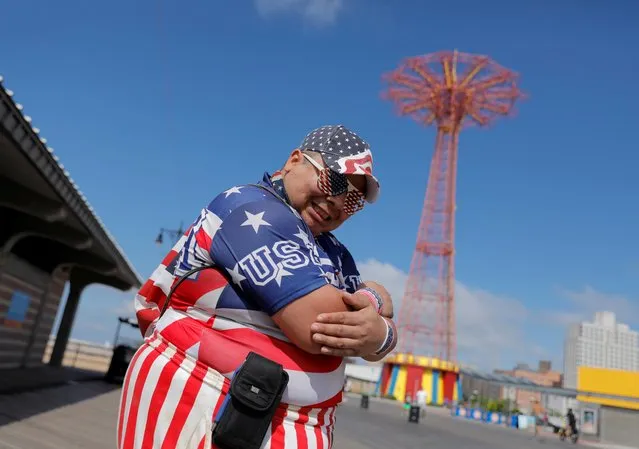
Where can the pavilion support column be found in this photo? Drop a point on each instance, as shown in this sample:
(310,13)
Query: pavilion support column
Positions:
(66,324)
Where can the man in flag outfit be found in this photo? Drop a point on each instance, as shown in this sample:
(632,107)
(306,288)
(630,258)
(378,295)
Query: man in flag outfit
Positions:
(279,284)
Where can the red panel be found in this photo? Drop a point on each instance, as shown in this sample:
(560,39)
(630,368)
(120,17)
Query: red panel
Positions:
(413,380)
(386,374)
(449,384)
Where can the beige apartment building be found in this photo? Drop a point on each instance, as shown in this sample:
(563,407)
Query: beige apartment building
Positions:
(543,375)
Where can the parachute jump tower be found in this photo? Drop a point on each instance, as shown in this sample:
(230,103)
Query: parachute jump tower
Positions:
(451,91)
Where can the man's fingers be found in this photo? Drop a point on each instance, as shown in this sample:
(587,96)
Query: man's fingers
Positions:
(339,352)
(348,318)
(357,301)
(335,342)
(338,330)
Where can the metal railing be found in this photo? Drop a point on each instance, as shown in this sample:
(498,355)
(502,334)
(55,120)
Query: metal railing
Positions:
(84,354)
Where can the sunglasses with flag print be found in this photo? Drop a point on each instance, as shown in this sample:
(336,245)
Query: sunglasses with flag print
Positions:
(332,183)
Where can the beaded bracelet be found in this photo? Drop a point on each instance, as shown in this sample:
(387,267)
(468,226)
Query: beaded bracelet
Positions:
(391,335)
(374,297)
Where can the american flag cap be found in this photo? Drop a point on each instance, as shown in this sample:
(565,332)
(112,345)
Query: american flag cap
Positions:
(343,151)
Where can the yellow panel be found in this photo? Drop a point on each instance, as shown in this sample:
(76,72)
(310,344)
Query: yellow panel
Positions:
(609,381)
(455,390)
(440,388)
(400,384)
(435,363)
(427,384)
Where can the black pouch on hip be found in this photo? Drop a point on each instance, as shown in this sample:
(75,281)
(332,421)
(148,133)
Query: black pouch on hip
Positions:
(246,413)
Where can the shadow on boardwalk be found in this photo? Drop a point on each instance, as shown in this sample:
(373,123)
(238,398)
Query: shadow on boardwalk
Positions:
(26,393)
(75,416)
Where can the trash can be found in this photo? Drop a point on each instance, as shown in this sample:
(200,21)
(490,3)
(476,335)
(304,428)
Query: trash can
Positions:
(413,413)
(514,421)
(122,355)
(364,401)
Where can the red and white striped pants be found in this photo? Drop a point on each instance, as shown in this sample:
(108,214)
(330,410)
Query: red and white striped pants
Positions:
(169,400)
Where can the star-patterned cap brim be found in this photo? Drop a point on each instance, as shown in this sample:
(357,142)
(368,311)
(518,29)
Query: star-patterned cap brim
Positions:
(344,152)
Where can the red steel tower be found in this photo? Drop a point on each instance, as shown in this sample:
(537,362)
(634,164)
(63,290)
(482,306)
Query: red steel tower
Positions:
(451,90)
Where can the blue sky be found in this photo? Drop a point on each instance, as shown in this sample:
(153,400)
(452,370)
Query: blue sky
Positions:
(154,108)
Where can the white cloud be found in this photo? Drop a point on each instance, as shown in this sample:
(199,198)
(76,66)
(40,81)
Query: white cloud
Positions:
(582,305)
(100,306)
(386,274)
(318,12)
(490,327)
(126,308)
(495,330)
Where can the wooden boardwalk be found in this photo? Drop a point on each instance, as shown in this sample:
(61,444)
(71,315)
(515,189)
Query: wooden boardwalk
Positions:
(77,416)
(83,416)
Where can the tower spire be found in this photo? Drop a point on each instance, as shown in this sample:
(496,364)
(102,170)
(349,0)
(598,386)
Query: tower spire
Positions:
(451,90)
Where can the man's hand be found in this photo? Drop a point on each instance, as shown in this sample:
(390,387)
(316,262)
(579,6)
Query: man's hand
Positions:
(387,308)
(350,334)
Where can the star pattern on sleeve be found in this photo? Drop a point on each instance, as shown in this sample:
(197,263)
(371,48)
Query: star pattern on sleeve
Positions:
(255,220)
(303,236)
(231,191)
(281,272)
(236,276)
(329,277)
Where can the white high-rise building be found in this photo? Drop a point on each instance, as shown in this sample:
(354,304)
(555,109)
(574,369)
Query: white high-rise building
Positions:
(603,343)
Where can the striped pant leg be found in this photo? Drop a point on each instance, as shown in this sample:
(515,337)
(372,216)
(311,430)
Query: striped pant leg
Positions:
(302,428)
(166,401)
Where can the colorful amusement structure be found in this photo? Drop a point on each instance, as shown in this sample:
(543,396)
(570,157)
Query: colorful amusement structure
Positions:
(451,90)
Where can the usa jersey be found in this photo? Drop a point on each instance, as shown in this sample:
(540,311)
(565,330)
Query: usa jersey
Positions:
(263,257)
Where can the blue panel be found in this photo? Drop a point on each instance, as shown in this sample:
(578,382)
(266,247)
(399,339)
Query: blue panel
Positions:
(435,386)
(378,386)
(393,379)
(18,307)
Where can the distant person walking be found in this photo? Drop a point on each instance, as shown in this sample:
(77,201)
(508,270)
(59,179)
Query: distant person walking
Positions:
(422,401)
(571,421)
(537,411)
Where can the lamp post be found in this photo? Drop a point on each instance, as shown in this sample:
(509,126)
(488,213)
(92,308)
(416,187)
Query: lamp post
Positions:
(174,234)
(121,321)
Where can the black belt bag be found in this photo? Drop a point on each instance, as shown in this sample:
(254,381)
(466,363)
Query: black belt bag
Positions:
(246,413)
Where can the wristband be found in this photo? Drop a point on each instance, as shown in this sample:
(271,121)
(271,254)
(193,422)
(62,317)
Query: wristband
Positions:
(374,297)
(391,335)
